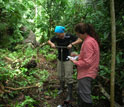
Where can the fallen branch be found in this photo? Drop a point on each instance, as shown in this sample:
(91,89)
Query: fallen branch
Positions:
(9,59)
(40,46)
(9,89)
(15,89)
(104,78)
(43,44)
(2,89)
(106,94)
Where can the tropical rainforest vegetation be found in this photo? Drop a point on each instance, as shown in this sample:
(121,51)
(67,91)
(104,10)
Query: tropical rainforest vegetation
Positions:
(28,71)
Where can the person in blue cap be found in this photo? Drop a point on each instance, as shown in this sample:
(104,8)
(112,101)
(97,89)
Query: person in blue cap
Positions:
(64,65)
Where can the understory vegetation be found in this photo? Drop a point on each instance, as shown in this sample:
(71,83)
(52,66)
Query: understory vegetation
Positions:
(28,70)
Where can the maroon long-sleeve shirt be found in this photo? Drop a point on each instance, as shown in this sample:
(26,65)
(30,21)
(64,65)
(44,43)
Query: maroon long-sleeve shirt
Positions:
(88,60)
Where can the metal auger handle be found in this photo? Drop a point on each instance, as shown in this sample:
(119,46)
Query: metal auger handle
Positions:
(62,47)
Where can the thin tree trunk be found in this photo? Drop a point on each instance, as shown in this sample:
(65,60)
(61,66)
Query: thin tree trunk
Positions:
(36,12)
(50,16)
(113,58)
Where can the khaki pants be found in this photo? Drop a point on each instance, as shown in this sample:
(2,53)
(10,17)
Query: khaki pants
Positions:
(65,74)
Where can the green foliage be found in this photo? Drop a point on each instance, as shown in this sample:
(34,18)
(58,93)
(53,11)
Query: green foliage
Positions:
(51,57)
(13,15)
(46,104)
(24,70)
(4,74)
(10,18)
(119,68)
(41,16)
(104,71)
(75,74)
(52,93)
(14,74)
(98,97)
(17,71)
(49,53)
(27,102)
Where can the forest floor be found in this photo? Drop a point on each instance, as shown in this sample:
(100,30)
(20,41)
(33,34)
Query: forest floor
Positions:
(46,95)
(52,84)
(50,89)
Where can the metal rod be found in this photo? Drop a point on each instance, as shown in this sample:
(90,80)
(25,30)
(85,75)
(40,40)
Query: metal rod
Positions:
(61,46)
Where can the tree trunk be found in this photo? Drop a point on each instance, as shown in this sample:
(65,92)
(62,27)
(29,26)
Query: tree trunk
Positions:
(113,58)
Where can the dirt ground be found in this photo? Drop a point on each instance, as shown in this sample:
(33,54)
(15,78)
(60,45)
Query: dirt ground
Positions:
(53,84)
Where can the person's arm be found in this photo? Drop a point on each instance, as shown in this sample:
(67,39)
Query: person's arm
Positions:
(74,43)
(73,54)
(88,56)
(51,44)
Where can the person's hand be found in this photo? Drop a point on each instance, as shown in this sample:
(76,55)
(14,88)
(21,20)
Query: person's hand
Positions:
(73,54)
(53,45)
(69,46)
(72,60)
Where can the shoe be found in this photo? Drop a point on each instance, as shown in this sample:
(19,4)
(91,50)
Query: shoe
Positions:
(69,95)
(62,84)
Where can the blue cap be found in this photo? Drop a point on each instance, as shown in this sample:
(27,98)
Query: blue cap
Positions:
(59,29)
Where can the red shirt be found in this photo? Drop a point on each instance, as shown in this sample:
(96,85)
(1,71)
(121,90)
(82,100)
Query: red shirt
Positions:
(88,60)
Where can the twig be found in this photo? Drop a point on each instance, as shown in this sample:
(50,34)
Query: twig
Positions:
(2,89)
(8,59)
(41,45)
(106,94)
(15,89)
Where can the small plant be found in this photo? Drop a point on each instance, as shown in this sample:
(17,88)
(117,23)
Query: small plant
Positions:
(75,74)
(50,57)
(52,93)
(46,104)
(27,102)
(24,70)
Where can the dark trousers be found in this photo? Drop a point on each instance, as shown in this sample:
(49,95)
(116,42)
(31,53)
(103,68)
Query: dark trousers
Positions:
(84,90)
